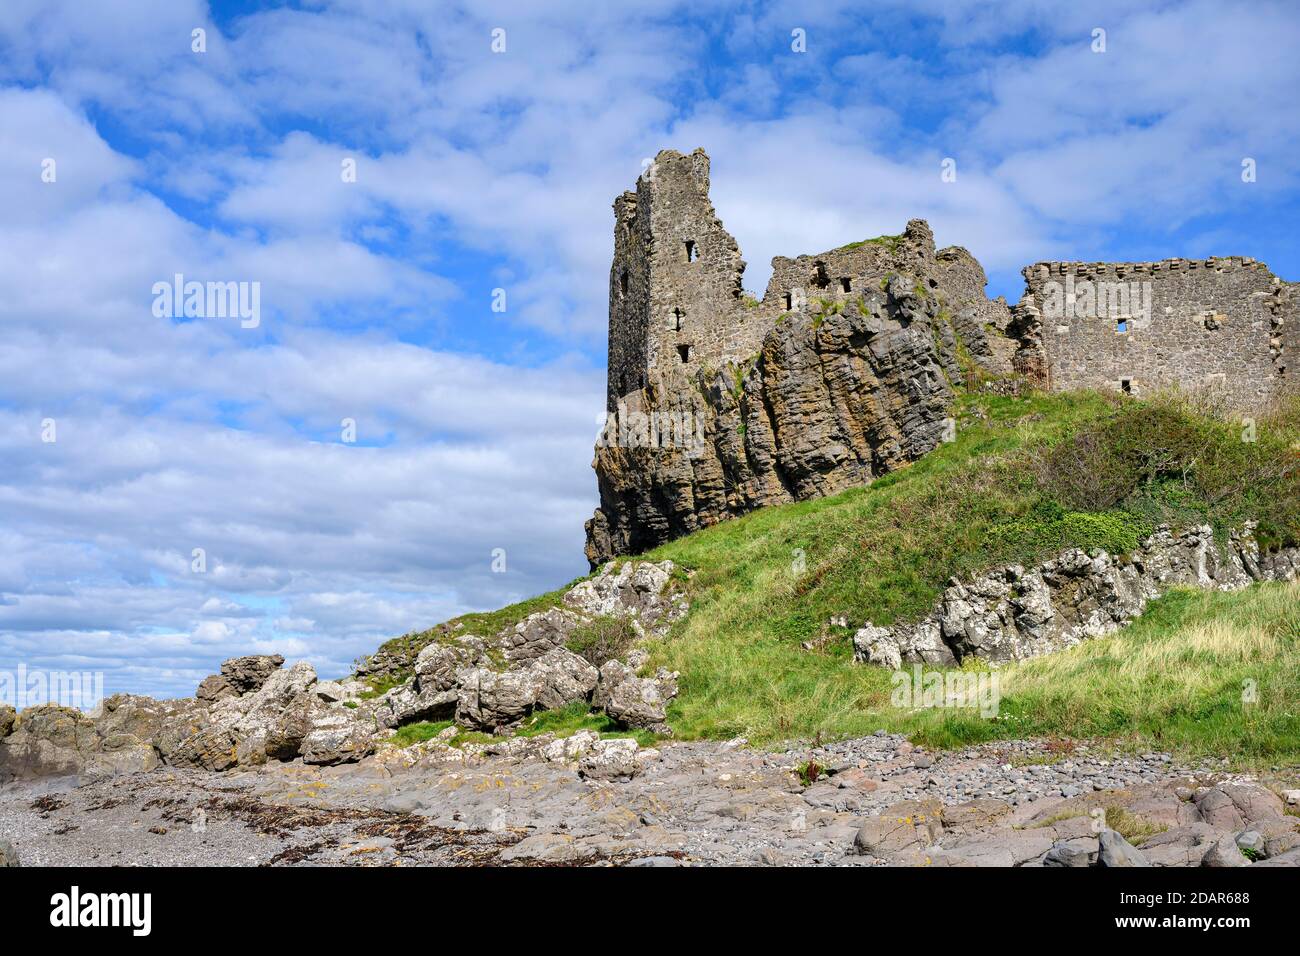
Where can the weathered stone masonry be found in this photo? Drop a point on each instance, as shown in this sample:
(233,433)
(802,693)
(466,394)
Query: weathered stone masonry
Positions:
(721,403)
(1227,324)
(677,303)
(674,287)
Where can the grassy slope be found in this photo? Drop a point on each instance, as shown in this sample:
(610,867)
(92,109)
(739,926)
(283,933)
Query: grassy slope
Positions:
(1181,677)
(773,579)
(1025,478)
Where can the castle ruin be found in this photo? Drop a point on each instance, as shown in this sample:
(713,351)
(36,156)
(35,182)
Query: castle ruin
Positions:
(844,369)
(676,299)
(1226,324)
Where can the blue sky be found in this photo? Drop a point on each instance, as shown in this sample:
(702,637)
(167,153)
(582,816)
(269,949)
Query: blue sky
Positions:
(476,171)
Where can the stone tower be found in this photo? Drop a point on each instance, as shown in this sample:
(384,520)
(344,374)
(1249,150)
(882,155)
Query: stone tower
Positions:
(675,295)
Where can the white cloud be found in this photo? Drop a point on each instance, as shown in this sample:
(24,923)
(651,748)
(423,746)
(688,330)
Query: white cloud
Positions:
(475,170)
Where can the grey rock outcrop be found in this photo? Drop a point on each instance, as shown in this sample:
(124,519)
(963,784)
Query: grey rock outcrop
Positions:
(208,748)
(637,590)
(1013,613)
(412,702)
(612,759)
(281,715)
(636,701)
(215,687)
(488,699)
(338,737)
(539,634)
(1116,851)
(493,683)
(47,740)
(239,675)
(562,678)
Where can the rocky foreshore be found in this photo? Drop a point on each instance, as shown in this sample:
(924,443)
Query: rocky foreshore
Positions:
(872,801)
(270,765)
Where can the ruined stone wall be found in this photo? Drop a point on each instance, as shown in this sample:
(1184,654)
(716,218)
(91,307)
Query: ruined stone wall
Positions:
(952,275)
(981,323)
(844,369)
(847,272)
(675,284)
(1222,323)
(629,296)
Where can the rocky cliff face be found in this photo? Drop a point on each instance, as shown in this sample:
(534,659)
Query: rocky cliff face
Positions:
(720,403)
(840,391)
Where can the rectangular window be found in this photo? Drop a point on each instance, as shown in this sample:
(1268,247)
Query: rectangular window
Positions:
(685,352)
(622,282)
(1121,325)
(789,301)
(690,250)
(846,284)
(1126,386)
(675,320)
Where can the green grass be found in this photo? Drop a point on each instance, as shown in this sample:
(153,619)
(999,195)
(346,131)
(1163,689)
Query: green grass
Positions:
(1203,673)
(382,685)
(567,721)
(889,242)
(418,733)
(1025,478)
(768,581)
